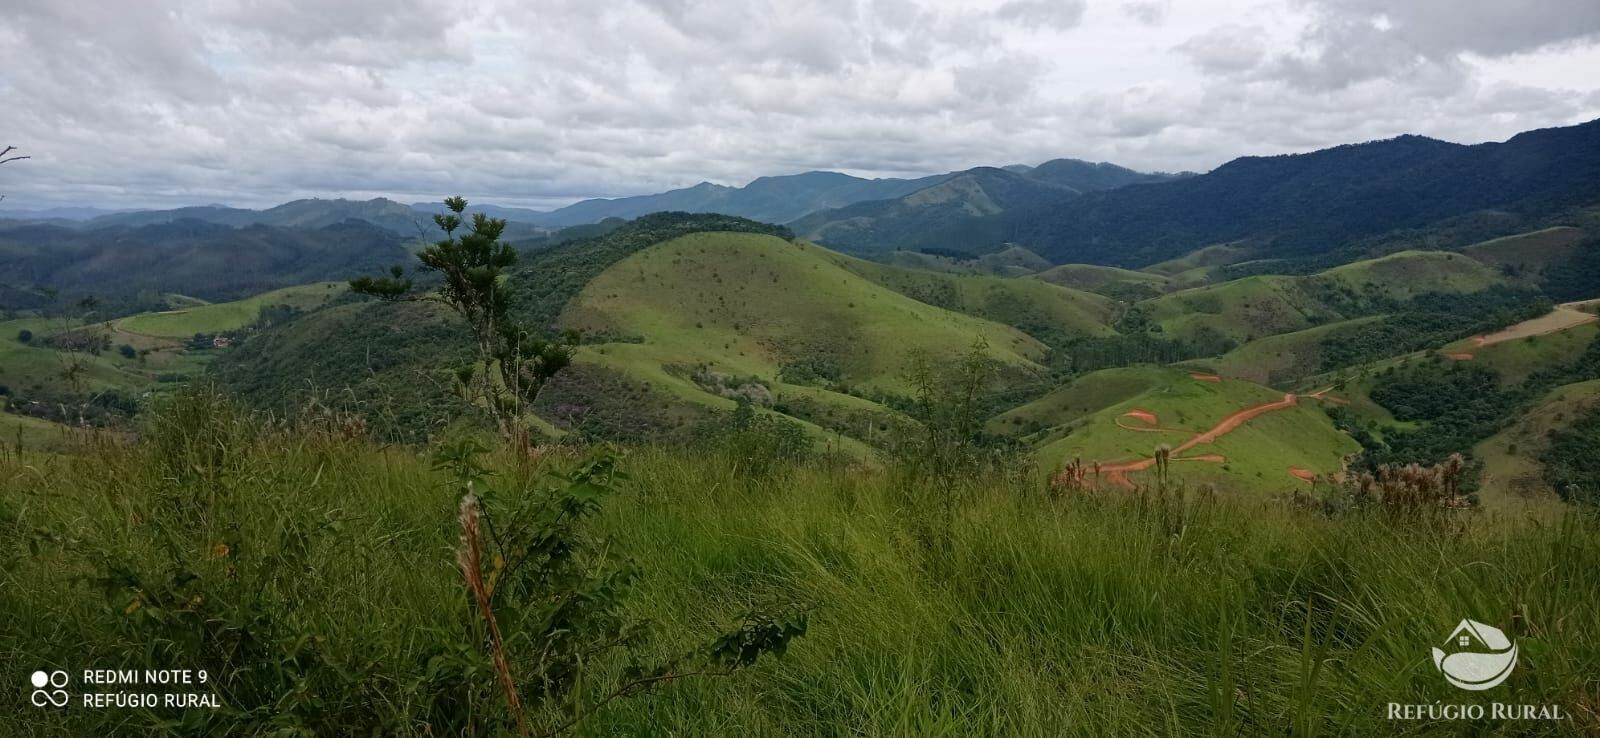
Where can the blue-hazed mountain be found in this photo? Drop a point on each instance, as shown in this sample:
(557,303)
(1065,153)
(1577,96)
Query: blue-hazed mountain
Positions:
(65,213)
(192,257)
(768,199)
(1302,205)
(960,211)
(404,220)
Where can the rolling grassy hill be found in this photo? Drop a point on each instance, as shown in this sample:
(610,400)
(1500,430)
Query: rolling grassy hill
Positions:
(35,366)
(1088,419)
(1529,253)
(1513,474)
(1255,307)
(750,304)
(1048,312)
(228,316)
(1084,395)
(1011,261)
(1104,279)
(1281,359)
(933,217)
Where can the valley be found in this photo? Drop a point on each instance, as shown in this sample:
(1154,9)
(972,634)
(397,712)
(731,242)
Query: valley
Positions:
(799,369)
(681,328)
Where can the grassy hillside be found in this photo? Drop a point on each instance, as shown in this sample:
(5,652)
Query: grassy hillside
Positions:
(37,366)
(1255,307)
(1085,395)
(1256,457)
(1410,273)
(1089,419)
(1012,261)
(750,304)
(228,316)
(1216,255)
(1528,254)
(1047,312)
(936,216)
(1282,359)
(335,574)
(1106,280)
(1513,475)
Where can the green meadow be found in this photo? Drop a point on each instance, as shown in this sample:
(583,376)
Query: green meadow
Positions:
(314,575)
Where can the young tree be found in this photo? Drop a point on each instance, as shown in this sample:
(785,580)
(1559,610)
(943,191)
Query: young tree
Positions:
(4,159)
(512,362)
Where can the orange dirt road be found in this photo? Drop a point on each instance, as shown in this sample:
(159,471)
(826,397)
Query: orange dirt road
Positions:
(1457,355)
(1566,315)
(1303,475)
(1232,422)
(1206,377)
(1118,473)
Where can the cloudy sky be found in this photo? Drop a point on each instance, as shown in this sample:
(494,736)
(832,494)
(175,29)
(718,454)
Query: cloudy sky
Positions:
(139,103)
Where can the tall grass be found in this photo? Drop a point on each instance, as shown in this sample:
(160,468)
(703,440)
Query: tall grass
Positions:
(330,603)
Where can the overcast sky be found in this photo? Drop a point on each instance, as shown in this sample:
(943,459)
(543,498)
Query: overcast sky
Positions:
(139,103)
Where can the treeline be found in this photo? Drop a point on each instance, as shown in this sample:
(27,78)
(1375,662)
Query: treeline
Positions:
(1456,405)
(1572,460)
(1430,319)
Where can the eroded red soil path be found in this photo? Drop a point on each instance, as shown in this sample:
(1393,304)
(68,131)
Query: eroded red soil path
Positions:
(1458,355)
(1206,377)
(1564,316)
(1118,473)
(1232,422)
(1304,475)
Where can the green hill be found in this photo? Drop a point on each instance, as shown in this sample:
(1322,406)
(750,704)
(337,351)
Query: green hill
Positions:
(1085,395)
(1512,471)
(1011,261)
(1089,419)
(228,316)
(936,216)
(1528,253)
(1285,358)
(1106,280)
(1255,307)
(751,304)
(1048,312)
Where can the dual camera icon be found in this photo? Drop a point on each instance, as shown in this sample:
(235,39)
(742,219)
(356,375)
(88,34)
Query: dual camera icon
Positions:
(48,689)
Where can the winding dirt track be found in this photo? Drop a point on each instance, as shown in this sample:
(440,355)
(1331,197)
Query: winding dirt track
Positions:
(1566,315)
(1118,473)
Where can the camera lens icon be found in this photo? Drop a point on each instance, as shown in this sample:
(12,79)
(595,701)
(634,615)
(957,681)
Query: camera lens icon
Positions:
(47,688)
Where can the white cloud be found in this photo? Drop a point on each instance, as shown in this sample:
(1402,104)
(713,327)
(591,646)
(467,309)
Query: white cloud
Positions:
(253,102)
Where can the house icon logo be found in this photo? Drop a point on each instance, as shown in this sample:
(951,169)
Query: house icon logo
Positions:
(1476,656)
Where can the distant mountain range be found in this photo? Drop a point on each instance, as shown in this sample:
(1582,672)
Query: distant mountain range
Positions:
(211,261)
(779,199)
(956,212)
(1302,206)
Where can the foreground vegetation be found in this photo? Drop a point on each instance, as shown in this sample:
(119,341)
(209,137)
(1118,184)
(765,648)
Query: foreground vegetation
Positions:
(315,574)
